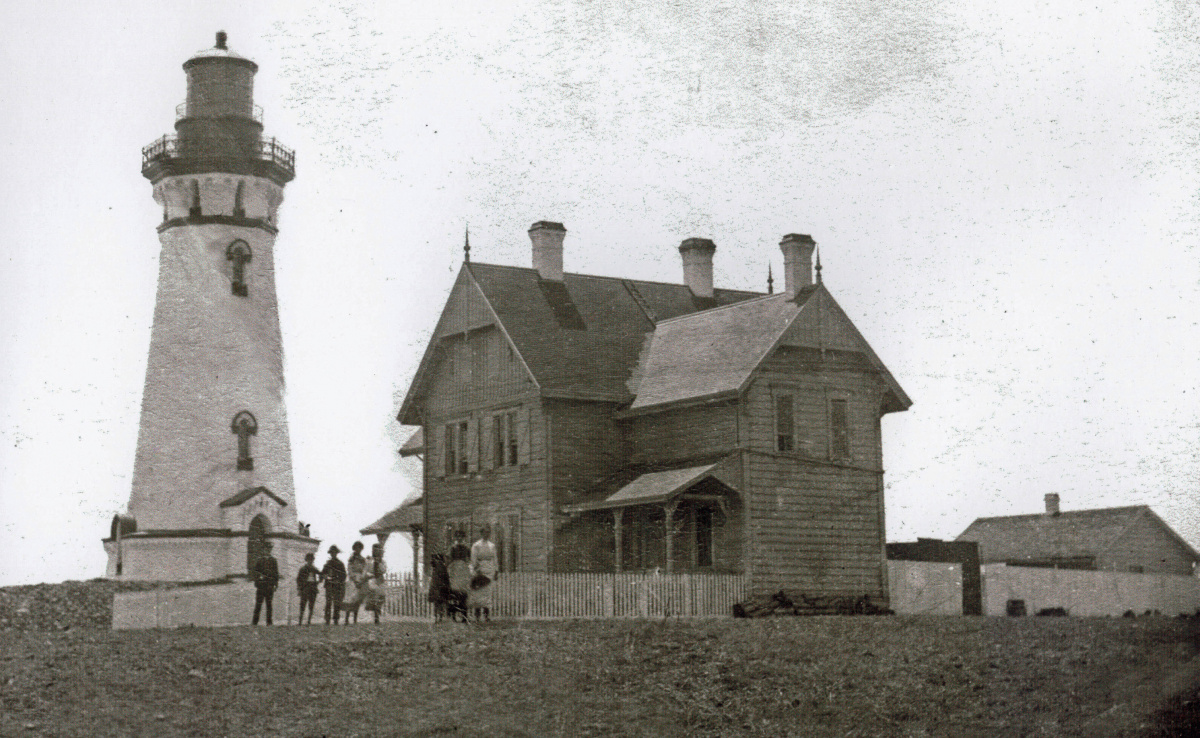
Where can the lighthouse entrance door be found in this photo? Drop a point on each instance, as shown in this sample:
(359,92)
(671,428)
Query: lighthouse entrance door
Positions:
(254,546)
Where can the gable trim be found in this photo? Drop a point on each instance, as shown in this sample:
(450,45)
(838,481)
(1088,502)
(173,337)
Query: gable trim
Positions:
(417,387)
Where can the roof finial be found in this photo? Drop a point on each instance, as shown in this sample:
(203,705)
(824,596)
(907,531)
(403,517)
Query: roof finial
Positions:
(467,245)
(221,38)
(818,266)
(770,281)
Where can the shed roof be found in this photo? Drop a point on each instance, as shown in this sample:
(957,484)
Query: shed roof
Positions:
(415,443)
(401,519)
(1073,533)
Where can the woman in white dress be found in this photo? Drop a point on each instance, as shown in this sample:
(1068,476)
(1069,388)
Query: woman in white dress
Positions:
(484,568)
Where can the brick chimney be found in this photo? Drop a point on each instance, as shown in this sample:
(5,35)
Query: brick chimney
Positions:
(547,238)
(1052,504)
(797,262)
(697,256)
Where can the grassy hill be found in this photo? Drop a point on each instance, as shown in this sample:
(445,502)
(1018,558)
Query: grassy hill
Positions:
(865,676)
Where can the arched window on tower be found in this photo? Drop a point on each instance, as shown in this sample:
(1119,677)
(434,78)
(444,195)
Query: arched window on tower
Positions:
(243,426)
(194,212)
(255,543)
(239,209)
(239,253)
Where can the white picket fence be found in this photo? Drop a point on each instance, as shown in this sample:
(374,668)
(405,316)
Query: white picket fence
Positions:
(537,595)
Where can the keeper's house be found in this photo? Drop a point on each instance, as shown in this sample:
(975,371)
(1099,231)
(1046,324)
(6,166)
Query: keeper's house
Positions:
(605,424)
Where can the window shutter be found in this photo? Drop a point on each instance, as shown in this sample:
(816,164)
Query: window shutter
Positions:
(438,458)
(473,445)
(523,435)
(488,435)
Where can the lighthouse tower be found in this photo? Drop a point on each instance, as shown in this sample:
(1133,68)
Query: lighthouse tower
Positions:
(212,478)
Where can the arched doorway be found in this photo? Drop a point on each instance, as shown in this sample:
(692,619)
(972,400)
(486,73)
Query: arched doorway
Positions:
(254,545)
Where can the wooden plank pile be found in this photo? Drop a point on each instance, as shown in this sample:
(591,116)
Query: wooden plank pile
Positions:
(779,604)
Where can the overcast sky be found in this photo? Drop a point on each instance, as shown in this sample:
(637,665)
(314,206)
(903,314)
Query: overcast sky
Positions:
(1005,200)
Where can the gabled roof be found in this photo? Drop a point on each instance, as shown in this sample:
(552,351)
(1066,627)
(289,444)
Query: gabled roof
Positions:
(250,492)
(1070,534)
(579,338)
(402,519)
(647,343)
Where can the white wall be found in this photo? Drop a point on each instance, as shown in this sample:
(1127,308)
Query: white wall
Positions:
(925,587)
(1088,592)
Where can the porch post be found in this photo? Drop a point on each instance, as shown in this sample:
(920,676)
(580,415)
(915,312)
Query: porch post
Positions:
(416,544)
(618,540)
(669,524)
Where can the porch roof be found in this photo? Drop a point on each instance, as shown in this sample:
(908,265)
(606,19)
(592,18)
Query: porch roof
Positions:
(648,489)
(402,519)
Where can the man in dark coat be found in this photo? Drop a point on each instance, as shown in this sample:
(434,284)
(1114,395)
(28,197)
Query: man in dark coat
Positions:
(334,576)
(266,579)
(306,585)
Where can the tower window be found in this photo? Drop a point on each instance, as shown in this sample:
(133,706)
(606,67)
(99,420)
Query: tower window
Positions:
(243,426)
(239,209)
(785,424)
(194,211)
(239,253)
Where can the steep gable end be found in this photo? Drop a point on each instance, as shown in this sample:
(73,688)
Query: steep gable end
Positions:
(824,325)
(466,309)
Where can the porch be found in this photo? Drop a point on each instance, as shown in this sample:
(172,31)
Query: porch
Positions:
(678,521)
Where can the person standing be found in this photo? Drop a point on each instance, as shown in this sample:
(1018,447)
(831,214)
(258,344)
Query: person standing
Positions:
(356,568)
(334,576)
(375,570)
(459,572)
(266,579)
(439,587)
(306,584)
(484,567)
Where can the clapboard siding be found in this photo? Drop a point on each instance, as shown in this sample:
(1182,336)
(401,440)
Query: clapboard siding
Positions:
(487,494)
(685,433)
(814,528)
(1146,546)
(586,447)
(812,382)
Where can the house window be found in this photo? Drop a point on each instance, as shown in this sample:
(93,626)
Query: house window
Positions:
(478,349)
(513,440)
(451,449)
(839,431)
(499,451)
(785,424)
(461,439)
(506,451)
(704,536)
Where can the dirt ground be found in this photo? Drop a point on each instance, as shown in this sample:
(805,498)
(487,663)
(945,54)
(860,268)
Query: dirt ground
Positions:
(845,676)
